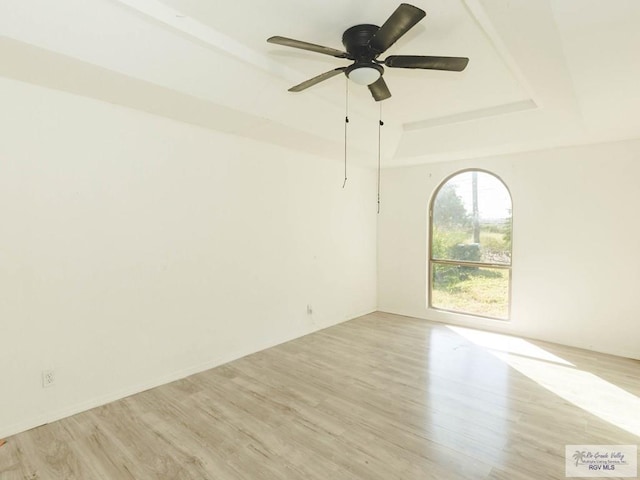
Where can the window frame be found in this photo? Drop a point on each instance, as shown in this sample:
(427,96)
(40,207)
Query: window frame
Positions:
(431,262)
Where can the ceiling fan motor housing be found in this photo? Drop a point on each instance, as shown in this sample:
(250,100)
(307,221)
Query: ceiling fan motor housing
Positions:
(356,41)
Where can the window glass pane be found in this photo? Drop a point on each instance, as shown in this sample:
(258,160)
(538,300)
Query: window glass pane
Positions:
(475,290)
(472,220)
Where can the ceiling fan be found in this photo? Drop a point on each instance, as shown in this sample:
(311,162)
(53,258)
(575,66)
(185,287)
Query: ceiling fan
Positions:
(365,43)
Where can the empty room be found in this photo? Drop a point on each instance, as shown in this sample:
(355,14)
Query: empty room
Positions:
(319,240)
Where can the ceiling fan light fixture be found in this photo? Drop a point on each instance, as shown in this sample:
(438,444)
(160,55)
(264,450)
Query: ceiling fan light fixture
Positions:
(364,74)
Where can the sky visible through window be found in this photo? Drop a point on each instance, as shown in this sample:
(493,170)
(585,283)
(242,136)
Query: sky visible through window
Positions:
(493,197)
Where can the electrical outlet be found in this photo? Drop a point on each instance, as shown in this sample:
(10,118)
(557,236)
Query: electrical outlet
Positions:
(48,378)
(309,309)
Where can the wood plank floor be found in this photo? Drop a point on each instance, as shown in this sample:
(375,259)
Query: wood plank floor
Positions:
(380,397)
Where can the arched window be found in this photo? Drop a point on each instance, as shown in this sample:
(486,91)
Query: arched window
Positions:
(470,245)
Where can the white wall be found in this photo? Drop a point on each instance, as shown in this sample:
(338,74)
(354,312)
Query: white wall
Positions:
(576,263)
(135,250)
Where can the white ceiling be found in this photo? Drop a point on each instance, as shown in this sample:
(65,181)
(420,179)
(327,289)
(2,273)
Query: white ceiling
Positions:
(542,73)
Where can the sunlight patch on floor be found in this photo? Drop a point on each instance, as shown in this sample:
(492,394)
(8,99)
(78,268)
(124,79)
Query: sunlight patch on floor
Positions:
(582,388)
(507,344)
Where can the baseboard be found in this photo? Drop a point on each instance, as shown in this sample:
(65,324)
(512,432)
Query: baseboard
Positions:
(71,410)
(498,326)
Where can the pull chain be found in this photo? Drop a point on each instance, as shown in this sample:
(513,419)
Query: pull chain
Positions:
(380,124)
(346,122)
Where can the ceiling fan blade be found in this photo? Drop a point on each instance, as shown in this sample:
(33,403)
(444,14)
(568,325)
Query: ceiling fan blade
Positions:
(399,23)
(320,78)
(452,64)
(290,42)
(379,90)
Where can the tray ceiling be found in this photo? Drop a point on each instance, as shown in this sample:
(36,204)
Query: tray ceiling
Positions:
(541,74)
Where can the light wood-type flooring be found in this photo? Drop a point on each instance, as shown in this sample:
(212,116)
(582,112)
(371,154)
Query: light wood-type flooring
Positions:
(380,397)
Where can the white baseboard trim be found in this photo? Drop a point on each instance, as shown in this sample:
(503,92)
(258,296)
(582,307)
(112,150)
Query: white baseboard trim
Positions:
(80,407)
(504,328)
